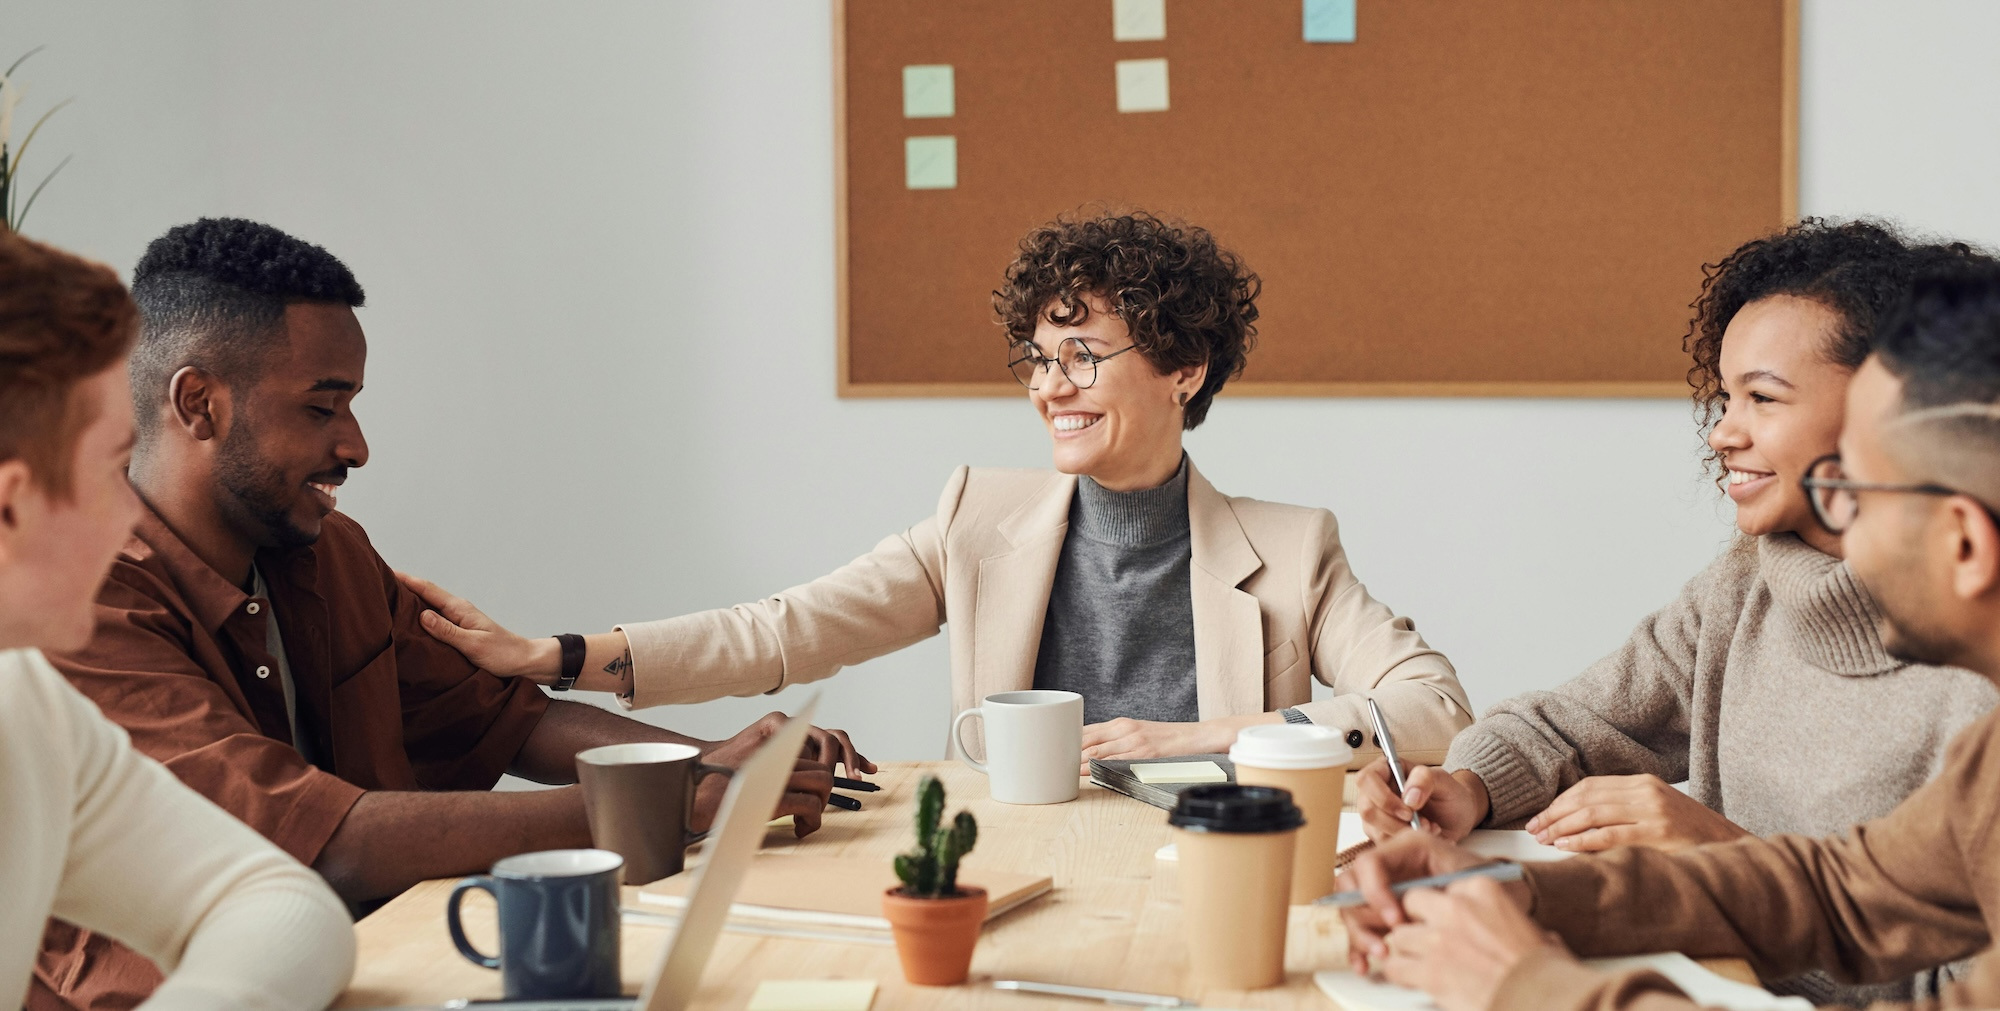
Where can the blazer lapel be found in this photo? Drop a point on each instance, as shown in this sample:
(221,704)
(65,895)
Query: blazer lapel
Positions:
(1014,590)
(1228,626)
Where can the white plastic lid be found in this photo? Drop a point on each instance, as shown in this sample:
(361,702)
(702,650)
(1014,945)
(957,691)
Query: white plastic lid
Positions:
(1290,746)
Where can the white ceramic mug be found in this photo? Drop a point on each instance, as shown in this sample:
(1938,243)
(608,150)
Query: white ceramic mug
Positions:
(1034,745)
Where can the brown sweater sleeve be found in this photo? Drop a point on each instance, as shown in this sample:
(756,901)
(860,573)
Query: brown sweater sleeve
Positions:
(1546,981)
(1892,896)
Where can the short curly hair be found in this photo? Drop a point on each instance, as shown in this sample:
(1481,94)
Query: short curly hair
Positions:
(212,294)
(63,319)
(1858,269)
(1185,299)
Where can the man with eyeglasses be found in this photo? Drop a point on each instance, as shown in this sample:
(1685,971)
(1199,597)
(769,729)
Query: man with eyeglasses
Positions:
(1913,494)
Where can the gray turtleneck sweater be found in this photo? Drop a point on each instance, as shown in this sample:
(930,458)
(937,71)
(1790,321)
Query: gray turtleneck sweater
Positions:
(1120,627)
(1765,687)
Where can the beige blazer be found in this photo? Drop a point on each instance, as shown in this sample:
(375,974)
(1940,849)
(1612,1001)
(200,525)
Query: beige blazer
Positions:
(1275,607)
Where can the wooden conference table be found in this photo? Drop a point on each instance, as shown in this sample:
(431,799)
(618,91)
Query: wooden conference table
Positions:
(1112,921)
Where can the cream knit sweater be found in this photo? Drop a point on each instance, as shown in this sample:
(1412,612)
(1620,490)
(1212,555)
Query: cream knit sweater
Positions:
(94,833)
(1764,686)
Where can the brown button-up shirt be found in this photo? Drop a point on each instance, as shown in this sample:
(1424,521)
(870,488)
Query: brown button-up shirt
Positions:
(180,660)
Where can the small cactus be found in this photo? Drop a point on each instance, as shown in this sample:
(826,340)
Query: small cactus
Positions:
(931,870)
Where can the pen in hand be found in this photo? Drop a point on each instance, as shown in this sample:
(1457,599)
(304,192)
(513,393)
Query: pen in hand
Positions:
(1389,752)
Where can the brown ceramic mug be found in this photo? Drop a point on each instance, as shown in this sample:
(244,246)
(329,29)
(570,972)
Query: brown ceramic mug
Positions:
(640,800)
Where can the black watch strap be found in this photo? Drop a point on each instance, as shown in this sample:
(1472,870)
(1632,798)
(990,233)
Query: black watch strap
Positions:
(572,661)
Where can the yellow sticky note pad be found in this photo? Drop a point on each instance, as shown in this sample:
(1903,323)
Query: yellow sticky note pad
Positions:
(813,995)
(1180,772)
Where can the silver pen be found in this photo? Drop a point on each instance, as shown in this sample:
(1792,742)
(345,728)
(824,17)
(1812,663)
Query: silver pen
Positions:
(1389,752)
(1093,993)
(1498,872)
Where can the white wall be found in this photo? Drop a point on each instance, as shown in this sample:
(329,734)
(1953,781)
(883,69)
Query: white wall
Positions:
(598,244)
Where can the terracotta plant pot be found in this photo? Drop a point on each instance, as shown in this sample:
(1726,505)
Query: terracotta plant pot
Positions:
(935,937)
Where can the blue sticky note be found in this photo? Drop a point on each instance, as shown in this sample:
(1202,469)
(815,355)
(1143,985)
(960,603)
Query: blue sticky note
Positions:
(1329,20)
(928,91)
(930,163)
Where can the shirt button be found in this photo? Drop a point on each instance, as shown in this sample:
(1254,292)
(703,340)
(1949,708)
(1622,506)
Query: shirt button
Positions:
(253,607)
(1354,738)
(263,672)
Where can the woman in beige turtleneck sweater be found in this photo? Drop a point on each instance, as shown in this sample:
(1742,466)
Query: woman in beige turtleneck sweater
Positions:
(1763,686)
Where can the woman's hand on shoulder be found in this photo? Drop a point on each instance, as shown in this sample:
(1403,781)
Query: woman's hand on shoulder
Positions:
(1450,804)
(1604,812)
(453,621)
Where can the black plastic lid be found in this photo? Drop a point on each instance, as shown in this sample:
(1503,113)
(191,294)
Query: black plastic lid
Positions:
(1229,807)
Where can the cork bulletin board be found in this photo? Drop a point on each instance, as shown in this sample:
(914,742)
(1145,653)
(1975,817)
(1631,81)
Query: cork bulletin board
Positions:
(1443,197)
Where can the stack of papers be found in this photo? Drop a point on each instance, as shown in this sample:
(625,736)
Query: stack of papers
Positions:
(1159,781)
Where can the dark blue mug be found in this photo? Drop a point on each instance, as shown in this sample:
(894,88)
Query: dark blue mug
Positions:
(558,923)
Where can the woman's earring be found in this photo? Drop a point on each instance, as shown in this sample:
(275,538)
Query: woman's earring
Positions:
(1181,400)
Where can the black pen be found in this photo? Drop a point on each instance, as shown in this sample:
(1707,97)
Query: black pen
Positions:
(843,783)
(844,803)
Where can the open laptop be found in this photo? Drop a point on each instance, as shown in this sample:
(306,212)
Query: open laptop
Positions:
(732,844)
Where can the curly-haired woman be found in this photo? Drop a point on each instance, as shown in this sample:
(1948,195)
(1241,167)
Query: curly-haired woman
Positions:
(1764,686)
(1180,614)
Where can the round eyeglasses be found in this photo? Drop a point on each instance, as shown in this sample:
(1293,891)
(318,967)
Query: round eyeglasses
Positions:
(1834,499)
(1075,359)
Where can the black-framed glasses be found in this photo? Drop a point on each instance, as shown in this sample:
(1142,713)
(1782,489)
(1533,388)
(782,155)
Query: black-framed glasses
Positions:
(1834,499)
(1072,356)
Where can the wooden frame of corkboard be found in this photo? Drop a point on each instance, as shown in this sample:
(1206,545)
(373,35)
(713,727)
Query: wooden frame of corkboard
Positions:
(1531,192)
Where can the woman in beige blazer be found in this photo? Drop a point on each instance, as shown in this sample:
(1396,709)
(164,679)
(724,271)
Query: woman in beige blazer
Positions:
(1182,614)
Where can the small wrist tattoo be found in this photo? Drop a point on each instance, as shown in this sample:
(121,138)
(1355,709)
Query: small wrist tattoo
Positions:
(620,667)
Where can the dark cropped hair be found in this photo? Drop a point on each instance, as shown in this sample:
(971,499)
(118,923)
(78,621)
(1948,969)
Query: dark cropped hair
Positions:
(1943,342)
(213,294)
(63,319)
(1186,299)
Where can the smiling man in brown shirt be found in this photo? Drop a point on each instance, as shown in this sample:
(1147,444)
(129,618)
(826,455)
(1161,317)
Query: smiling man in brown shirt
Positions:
(1914,493)
(250,638)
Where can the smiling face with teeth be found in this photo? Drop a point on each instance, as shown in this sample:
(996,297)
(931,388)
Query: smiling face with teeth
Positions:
(1783,403)
(291,435)
(1124,432)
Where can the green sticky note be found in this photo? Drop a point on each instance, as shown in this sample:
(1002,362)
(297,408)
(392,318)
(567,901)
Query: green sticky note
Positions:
(928,91)
(813,995)
(1179,772)
(930,163)
(1138,20)
(1330,20)
(1142,85)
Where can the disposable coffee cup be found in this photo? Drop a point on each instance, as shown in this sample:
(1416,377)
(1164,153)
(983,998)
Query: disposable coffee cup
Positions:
(1236,846)
(1311,763)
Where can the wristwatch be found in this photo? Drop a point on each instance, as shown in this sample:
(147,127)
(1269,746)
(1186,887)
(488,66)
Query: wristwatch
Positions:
(572,661)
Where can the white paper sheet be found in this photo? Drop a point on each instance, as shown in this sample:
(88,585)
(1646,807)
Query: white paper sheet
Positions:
(1357,993)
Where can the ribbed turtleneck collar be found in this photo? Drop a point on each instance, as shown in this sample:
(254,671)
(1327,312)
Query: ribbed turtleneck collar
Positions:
(1133,519)
(1834,617)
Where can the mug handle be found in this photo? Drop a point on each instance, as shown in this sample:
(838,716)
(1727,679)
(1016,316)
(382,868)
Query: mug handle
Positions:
(704,769)
(958,743)
(484,883)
